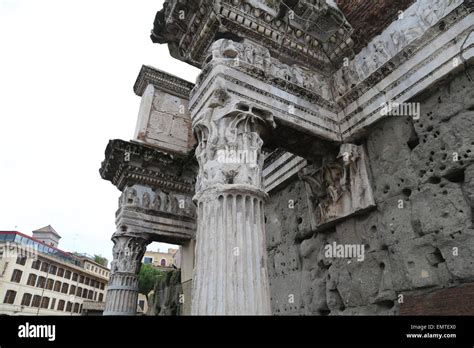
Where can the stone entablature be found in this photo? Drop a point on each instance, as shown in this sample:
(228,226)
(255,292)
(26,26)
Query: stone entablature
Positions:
(414,52)
(311,32)
(129,163)
(235,81)
(430,40)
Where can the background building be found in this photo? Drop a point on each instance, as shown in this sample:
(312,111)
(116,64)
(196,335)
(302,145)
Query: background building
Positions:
(37,278)
(160,259)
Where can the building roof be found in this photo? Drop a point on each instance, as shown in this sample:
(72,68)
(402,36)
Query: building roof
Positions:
(58,251)
(48,229)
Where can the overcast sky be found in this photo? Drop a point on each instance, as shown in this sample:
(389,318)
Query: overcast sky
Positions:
(67,69)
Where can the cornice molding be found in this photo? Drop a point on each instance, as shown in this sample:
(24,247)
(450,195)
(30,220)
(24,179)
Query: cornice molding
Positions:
(191,27)
(163,81)
(128,163)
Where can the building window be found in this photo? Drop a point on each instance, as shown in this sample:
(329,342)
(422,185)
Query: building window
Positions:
(87,281)
(57,286)
(147,260)
(53,269)
(163,262)
(61,304)
(49,284)
(67,275)
(79,291)
(31,280)
(74,277)
(26,300)
(45,302)
(84,293)
(53,303)
(41,282)
(16,276)
(60,272)
(72,290)
(65,288)
(45,267)
(141,304)
(90,294)
(9,297)
(36,301)
(76,307)
(36,264)
(93,283)
(21,260)
(81,279)
(101,297)
(69,307)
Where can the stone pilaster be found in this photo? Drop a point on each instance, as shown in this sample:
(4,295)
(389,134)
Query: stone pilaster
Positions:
(230,274)
(122,292)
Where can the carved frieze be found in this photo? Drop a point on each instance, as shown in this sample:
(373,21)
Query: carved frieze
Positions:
(410,26)
(156,201)
(310,32)
(256,60)
(339,188)
(255,83)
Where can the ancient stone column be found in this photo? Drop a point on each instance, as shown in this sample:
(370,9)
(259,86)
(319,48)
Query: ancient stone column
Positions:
(122,292)
(230,274)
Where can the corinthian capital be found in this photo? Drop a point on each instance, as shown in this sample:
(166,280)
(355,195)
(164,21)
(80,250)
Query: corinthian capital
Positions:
(128,252)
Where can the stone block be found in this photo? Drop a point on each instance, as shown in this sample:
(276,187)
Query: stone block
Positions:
(164,122)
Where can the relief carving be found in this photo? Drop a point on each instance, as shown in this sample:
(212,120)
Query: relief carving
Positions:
(157,200)
(250,56)
(340,188)
(411,25)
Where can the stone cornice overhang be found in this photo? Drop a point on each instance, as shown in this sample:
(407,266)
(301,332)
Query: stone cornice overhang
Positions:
(190,27)
(163,81)
(129,163)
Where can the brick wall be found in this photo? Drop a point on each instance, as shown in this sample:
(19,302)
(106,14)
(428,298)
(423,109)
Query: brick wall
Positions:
(453,301)
(370,17)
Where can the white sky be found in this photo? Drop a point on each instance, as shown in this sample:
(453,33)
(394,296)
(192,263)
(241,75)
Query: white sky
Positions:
(67,70)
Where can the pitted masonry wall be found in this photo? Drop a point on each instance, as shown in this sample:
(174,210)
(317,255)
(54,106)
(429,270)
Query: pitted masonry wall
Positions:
(419,240)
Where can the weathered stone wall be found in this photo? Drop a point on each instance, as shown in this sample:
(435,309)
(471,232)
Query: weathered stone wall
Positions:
(417,241)
(166,294)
